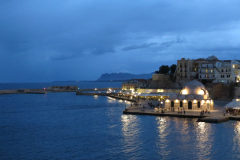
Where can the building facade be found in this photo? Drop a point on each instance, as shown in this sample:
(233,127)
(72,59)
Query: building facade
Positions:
(193,96)
(210,70)
(185,70)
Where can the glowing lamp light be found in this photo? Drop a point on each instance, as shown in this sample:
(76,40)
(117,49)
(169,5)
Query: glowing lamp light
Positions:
(167,100)
(208,101)
(44,88)
(176,100)
(184,101)
(95,89)
(184,91)
(195,101)
(201,92)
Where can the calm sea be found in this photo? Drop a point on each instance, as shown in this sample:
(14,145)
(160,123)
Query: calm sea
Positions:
(67,126)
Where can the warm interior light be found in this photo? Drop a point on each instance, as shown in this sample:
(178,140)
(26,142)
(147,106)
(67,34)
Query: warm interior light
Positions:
(184,101)
(208,101)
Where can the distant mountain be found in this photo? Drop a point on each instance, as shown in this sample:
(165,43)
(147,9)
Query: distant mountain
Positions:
(123,76)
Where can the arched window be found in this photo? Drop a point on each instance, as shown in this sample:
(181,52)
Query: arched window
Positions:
(181,104)
(172,103)
(198,104)
(189,104)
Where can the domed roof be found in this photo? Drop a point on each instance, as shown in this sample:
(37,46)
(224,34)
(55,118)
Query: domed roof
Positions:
(193,87)
(194,83)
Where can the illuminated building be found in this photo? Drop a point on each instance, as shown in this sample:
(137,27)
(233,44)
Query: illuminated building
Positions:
(193,96)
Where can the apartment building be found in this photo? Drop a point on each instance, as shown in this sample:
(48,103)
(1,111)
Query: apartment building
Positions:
(210,69)
(185,69)
(235,74)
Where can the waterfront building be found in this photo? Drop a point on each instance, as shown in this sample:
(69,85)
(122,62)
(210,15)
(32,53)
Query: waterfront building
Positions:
(185,70)
(222,72)
(235,74)
(193,96)
(209,70)
(134,84)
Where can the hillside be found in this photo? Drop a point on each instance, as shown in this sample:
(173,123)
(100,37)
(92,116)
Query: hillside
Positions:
(123,76)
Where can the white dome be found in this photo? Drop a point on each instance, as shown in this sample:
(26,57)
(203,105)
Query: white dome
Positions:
(193,87)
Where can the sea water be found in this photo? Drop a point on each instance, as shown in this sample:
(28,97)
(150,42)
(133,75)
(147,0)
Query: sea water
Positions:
(69,126)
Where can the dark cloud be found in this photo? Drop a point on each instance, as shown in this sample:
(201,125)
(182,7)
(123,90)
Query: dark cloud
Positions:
(58,31)
(170,43)
(132,47)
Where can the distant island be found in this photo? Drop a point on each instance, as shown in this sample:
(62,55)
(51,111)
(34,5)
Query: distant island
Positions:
(123,76)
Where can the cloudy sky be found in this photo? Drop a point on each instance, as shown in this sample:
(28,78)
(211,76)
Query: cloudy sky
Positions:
(44,40)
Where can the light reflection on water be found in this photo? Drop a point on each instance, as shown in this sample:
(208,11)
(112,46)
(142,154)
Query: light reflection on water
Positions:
(203,140)
(95,128)
(95,97)
(236,140)
(162,142)
(130,131)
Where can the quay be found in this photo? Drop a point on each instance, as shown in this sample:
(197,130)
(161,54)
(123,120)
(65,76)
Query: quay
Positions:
(97,91)
(143,107)
(91,91)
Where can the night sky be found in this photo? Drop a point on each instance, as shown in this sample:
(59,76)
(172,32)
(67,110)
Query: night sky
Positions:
(49,40)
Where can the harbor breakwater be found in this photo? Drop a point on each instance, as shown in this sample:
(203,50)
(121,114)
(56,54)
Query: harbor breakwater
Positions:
(91,91)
